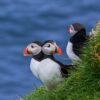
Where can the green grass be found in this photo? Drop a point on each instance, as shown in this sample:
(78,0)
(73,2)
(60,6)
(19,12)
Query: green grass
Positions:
(83,83)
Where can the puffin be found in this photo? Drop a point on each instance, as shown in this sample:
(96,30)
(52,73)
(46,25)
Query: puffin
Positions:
(51,72)
(34,50)
(49,52)
(76,42)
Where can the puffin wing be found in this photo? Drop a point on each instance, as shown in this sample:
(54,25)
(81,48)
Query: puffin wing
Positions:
(65,69)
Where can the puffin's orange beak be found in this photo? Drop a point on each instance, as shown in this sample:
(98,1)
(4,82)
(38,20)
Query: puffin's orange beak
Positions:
(59,51)
(25,52)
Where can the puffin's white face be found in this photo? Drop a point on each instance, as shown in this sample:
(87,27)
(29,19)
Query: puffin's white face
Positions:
(71,30)
(32,49)
(51,48)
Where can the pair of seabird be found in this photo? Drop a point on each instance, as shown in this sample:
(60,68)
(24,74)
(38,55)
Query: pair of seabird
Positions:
(43,64)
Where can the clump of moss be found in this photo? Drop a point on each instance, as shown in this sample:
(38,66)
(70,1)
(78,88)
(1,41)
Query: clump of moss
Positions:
(84,83)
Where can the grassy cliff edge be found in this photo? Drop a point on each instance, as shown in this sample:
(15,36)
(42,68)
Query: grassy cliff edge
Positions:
(84,83)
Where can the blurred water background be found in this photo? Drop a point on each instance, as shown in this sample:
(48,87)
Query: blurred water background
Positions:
(23,21)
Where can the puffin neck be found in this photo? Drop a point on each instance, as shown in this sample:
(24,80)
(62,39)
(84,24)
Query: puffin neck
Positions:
(38,57)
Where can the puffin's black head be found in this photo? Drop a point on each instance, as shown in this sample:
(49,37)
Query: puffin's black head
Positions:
(76,28)
(33,49)
(50,47)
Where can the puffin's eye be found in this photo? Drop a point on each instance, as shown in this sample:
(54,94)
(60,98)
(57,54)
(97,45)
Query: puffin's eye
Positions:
(49,45)
(32,46)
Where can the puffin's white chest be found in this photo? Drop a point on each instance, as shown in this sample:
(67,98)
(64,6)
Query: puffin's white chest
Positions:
(34,67)
(71,53)
(49,72)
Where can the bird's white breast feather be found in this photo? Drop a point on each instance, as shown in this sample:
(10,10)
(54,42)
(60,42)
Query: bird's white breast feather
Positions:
(34,67)
(70,52)
(49,71)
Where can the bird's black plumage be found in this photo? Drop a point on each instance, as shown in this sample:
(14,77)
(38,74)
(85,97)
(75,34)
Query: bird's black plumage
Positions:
(39,56)
(38,42)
